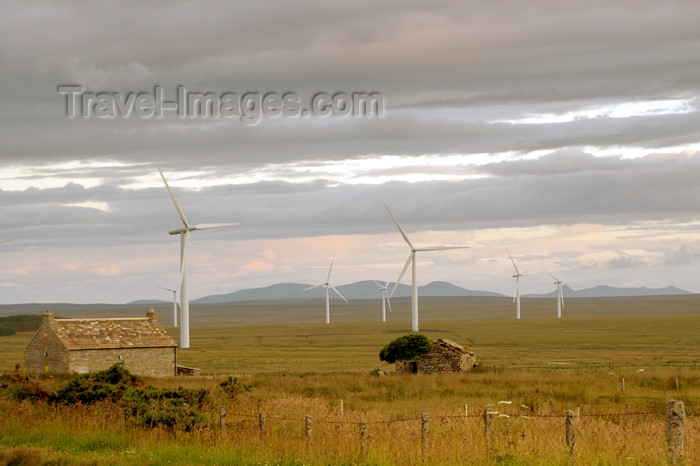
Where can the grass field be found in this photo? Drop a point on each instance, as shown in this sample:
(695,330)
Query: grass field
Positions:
(299,368)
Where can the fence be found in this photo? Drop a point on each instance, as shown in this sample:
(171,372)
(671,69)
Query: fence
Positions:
(675,426)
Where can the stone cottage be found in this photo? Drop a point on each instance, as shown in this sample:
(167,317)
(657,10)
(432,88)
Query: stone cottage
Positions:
(139,344)
(446,356)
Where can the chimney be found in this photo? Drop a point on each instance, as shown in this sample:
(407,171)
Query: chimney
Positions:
(152,316)
(48,317)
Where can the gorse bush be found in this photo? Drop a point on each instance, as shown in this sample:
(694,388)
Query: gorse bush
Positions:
(147,406)
(406,348)
(23,387)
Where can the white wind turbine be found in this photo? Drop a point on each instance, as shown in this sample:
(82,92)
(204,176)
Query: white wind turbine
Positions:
(328,285)
(174,303)
(560,295)
(516,299)
(412,260)
(385,299)
(184,233)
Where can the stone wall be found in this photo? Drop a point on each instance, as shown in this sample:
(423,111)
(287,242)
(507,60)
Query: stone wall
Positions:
(152,362)
(45,353)
(446,356)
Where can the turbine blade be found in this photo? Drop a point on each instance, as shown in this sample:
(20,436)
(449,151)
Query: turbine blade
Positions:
(177,206)
(329,270)
(338,293)
(442,248)
(183,264)
(388,301)
(379,285)
(514,266)
(315,286)
(399,227)
(561,296)
(164,288)
(405,267)
(208,226)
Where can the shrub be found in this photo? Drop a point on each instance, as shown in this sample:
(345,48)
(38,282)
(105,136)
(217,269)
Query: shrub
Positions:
(406,348)
(147,406)
(232,387)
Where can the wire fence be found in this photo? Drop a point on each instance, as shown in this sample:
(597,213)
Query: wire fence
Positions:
(675,424)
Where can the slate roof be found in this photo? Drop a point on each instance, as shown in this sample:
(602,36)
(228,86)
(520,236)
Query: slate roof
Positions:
(135,332)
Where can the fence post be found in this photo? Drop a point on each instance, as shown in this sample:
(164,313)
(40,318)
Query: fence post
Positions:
(261,423)
(466,410)
(222,420)
(488,427)
(570,432)
(363,439)
(675,429)
(623,385)
(341,407)
(424,423)
(308,428)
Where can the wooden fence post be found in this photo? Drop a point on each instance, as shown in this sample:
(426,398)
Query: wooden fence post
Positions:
(363,439)
(341,407)
(222,420)
(570,432)
(623,385)
(308,428)
(261,423)
(466,410)
(675,429)
(488,427)
(425,441)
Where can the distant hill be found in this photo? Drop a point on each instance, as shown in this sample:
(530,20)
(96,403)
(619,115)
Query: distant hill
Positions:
(366,289)
(605,291)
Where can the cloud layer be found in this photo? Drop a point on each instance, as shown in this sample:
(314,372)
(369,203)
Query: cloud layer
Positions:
(566,132)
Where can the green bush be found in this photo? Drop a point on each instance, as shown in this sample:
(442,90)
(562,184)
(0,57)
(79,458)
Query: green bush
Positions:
(146,406)
(406,348)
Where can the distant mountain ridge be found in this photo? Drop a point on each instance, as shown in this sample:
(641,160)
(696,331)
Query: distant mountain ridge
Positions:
(605,291)
(366,289)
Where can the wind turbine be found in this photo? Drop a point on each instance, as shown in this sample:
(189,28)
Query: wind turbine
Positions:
(174,303)
(516,299)
(385,299)
(560,295)
(184,233)
(328,285)
(412,260)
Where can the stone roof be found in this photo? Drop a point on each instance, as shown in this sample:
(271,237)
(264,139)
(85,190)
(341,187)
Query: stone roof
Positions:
(450,345)
(133,332)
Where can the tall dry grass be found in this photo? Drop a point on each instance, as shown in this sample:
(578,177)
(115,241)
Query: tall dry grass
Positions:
(614,428)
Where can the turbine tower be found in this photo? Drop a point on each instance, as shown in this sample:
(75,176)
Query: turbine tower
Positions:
(560,295)
(327,285)
(385,299)
(184,233)
(516,299)
(412,260)
(174,303)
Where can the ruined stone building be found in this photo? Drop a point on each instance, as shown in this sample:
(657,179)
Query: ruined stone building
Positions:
(446,356)
(139,344)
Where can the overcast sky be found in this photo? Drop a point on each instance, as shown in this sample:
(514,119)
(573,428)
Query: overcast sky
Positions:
(563,132)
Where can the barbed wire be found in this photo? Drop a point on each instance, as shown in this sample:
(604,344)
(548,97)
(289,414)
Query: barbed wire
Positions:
(453,416)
